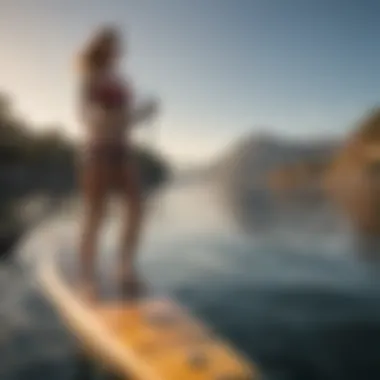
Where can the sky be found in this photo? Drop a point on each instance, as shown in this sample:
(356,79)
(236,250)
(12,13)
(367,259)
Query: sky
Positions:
(221,68)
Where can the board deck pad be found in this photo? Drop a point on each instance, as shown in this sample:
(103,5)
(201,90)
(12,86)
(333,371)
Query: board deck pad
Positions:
(171,342)
(151,338)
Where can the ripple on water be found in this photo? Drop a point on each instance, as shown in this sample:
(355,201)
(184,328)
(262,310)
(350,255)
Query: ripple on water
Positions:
(310,312)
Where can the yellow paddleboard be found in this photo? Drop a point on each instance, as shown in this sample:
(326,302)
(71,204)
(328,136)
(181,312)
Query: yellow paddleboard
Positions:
(152,338)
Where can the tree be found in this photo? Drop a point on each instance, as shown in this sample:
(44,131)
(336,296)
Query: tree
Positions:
(50,150)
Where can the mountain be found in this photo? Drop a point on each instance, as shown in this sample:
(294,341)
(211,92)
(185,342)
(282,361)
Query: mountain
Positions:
(254,160)
(261,171)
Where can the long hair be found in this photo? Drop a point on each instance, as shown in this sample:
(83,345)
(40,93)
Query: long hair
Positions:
(96,53)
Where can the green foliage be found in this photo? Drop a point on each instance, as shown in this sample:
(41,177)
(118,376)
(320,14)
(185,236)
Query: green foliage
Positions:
(19,144)
(23,146)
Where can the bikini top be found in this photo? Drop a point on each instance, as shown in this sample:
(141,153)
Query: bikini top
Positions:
(104,101)
(107,90)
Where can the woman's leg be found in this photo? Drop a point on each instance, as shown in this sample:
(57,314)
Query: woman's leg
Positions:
(132,224)
(93,181)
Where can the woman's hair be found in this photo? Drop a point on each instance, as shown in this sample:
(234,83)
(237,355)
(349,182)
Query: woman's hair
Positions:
(97,53)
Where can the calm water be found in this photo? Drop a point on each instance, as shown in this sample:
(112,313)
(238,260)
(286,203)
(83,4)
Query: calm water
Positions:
(299,304)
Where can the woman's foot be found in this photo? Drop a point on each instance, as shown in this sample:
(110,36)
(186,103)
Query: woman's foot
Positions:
(131,284)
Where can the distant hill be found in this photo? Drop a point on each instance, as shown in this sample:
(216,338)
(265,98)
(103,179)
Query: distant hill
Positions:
(260,170)
(252,161)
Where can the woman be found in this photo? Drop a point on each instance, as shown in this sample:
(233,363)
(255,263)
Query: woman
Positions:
(108,164)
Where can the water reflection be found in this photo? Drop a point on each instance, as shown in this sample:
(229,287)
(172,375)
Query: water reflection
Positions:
(299,305)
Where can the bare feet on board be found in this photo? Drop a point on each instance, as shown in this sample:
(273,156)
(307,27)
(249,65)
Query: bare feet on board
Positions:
(131,284)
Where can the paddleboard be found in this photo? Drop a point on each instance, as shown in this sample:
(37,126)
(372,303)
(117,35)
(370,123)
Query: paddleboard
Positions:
(151,338)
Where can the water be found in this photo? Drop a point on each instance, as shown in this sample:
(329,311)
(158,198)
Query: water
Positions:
(299,304)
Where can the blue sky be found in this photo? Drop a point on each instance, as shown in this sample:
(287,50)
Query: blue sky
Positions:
(299,68)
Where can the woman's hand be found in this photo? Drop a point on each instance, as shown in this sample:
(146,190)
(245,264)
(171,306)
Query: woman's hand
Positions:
(151,107)
(147,111)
